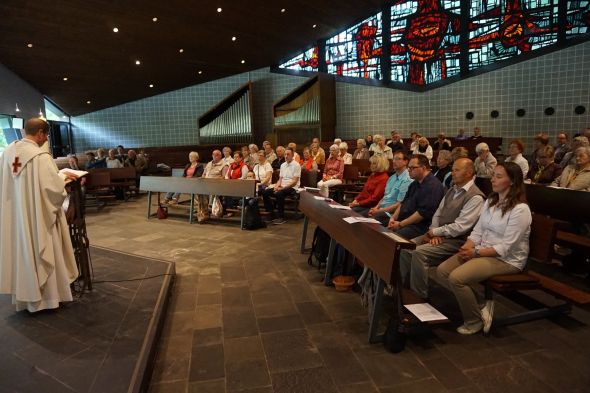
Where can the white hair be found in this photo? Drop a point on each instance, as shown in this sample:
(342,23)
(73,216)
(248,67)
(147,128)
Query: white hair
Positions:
(343,145)
(337,140)
(334,147)
(362,141)
(481,147)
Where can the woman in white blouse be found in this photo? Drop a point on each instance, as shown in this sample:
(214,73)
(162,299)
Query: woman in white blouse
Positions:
(344,154)
(499,244)
(262,171)
(423,148)
(515,150)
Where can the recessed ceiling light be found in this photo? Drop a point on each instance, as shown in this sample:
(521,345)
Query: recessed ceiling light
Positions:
(151,85)
(137,62)
(30,45)
(219,9)
(115,30)
(89,102)
(243,61)
(180,50)
(234,38)
(200,72)
(154,19)
(314,26)
(283,10)
(65,78)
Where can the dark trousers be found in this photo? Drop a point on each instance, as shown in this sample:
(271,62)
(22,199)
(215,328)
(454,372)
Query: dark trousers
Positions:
(362,210)
(280,197)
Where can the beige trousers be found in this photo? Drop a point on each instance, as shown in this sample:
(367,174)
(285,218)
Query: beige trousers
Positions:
(462,279)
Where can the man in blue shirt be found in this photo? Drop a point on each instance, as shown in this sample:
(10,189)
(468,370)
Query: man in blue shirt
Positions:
(413,217)
(395,190)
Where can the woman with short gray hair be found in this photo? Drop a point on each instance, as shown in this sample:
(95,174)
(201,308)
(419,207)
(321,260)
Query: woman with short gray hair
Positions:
(576,176)
(361,152)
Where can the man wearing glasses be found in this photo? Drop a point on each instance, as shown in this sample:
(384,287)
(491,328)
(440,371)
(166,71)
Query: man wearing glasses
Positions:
(413,217)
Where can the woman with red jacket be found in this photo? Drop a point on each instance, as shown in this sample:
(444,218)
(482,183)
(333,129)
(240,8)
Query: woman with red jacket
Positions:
(237,170)
(374,187)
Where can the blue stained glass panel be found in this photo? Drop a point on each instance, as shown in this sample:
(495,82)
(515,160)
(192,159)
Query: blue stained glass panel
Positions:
(578,18)
(306,61)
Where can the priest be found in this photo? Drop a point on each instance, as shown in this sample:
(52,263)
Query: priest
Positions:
(37,261)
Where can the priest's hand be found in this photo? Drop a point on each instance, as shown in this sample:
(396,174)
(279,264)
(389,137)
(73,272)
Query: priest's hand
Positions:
(69,177)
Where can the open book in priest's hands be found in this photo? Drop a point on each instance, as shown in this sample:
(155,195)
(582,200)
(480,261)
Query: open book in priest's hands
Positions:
(68,171)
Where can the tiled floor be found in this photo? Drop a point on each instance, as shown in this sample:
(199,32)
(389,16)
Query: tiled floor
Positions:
(249,315)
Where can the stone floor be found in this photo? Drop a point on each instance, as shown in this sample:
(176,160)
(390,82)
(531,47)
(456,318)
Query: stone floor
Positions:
(249,315)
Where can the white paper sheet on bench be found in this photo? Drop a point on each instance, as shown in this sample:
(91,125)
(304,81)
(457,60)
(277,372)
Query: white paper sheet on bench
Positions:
(341,207)
(352,220)
(321,198)
(425,312)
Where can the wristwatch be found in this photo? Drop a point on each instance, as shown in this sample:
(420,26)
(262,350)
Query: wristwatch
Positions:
(476,252)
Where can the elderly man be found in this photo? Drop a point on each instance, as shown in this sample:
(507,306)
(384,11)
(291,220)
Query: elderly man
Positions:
(570,157)
(396,143)
(485,161)
(276,164)
(286,185)
(38,263)
(455,217)
(395,190)
(442,143)
(561,147)
(215,169)
(413,217)
(138,162)
(269,152)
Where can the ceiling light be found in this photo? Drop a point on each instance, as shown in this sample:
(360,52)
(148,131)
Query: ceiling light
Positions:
(89,102)
(16,109)
(200,72)
(151,85)
(154,19)
(30,45)
(181,50)
(40,113)
(219,9)
(137,62)
(283,10)
(243,61)
(314,26)
(234,38)
(115,30)
(65,78)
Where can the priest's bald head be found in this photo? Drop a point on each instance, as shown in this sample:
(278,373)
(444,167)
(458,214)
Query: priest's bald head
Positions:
(37,129)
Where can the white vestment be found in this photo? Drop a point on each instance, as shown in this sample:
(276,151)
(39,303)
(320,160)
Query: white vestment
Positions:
(37,261)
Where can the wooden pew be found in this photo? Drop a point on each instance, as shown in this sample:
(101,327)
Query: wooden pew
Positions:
(375,245)
(234,188)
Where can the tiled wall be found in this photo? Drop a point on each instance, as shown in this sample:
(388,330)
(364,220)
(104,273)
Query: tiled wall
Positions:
(560,79)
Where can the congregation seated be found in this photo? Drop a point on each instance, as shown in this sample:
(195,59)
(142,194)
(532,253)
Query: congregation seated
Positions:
(92,162)
(136,161)
(238,170)
(379,148)
(442,143)
(193,169)
(112,161)
(395,190)
(515,149)
(461,135)
(498,244)
(476,134)
(289,180)
(262,172)
(296,156)
(414,215)
(247,159)
(570,157)
(396,143)
(374,188)
(369,141)
(253,150)
(276,164)
(576,176)
(361,152)
(539,142)
(485,161)
(453,220)
(545,170)
(269,152)
(345,156)
(423,148)
(333,171)
(561,147)
(318,154)
(121,156)
(308,162)
(228,158)
(444,162)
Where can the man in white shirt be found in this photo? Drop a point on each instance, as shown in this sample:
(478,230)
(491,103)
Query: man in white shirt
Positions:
(288,182)
(452,222)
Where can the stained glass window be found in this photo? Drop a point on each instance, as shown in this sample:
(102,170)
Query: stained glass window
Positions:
(502,29)
(578,18)
(425,40)
(306,61)
(357,51)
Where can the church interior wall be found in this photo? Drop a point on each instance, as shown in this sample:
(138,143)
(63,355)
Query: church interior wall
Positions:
(14,90)
(560,80)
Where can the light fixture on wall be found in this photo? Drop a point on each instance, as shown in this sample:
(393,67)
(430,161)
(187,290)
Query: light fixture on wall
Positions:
(40,113)
(16,109)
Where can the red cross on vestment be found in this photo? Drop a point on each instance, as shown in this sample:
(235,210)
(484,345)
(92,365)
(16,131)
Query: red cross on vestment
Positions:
(16,165)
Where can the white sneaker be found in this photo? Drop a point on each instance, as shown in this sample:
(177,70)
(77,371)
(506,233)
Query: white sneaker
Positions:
(487,316)
(466,330)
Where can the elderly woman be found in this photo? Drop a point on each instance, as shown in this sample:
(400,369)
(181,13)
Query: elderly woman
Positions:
(485,161)
(424,148)
(361,152)
(308,163)
(318,154)
(570,157)
(515,149)
(499,244)
(374,187)
(459,152)
(379,148)
(237,170)
(112,161)
(576,176)
(192,169)
(227,157)
(444,164)
(344,154)
(262,171)
(333,171)
(545,170)
(414,137)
